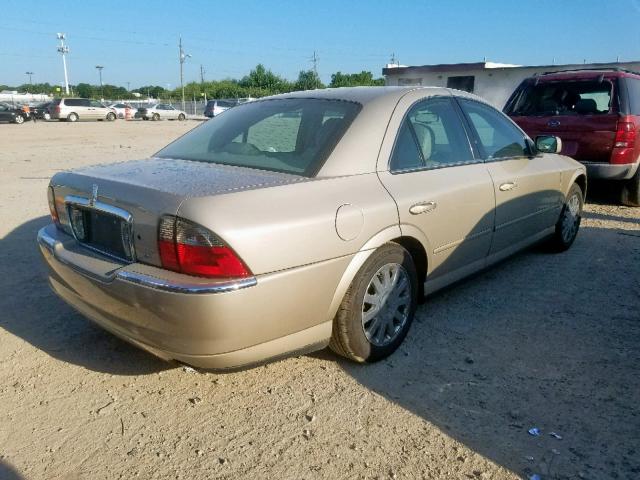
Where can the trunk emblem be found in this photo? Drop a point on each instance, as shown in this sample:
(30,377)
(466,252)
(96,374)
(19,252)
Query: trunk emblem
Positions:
(553,123)
(94,195)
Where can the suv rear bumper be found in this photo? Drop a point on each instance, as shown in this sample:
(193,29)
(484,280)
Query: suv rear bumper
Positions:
(609,171)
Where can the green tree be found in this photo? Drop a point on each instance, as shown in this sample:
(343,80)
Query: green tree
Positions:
(307,80)
(363,78)
(84,90)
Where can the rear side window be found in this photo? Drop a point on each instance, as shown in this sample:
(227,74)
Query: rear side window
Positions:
(76,102)
(224,104)
(564,98)
(292,135)
(498,137)
(633,90)
(431,136)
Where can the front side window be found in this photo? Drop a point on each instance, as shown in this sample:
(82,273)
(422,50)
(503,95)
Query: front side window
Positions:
(431,136)
(498,137)
(95,104)
(291,135)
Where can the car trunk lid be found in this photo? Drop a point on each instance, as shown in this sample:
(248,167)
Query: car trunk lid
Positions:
(120,205)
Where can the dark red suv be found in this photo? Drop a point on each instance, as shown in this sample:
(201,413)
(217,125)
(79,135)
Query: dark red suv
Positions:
(596,113)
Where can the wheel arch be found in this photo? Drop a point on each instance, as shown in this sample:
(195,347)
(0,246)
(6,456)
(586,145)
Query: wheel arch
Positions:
(412,243)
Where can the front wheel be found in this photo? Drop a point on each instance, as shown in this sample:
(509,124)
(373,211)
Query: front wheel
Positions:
(181,117)
(377,310)
(19,119)
(155,117)
(47,116)
(569,222)
(111,117)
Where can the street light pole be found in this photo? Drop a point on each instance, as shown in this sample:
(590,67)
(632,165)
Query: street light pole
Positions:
(29,73)
(183,56)
(100,67)
(63,50)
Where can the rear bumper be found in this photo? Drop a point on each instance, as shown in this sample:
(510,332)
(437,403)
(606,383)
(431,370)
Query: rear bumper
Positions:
(609,171)
(177,317)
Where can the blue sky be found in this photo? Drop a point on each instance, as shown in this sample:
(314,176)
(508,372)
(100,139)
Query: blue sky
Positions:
(136,41)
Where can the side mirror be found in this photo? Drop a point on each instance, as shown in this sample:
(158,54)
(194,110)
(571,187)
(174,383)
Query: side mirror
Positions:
(548,144)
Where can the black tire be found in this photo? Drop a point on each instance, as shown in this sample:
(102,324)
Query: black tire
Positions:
(348,337)
(155,117)
(181,117)
(19,119)
(72,117)
(569,222)
(631,191)
(111,116)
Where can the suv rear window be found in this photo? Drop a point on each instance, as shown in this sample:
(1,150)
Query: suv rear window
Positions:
(564,98)
(291,135)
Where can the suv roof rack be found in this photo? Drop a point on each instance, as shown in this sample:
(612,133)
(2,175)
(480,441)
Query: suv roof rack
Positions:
(593,69)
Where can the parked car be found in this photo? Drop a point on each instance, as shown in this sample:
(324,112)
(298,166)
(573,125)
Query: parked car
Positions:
(304,220)
(9,113)
(596,113)
(216,107)
(120,109)
(75,109)
(41,111)
(161,111)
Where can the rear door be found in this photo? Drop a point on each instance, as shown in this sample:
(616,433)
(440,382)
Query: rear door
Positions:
(527,188)
(583,113)
(440,187)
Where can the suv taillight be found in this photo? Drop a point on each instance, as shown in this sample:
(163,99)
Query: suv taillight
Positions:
(57,108)
(625,133)
(189,248)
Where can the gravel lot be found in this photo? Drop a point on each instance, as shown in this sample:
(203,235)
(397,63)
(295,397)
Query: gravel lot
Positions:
(541,340)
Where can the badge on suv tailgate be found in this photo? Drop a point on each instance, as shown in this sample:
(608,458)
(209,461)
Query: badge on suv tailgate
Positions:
(94,195)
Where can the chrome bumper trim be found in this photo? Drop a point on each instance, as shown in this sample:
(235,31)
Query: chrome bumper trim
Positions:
(48,243)
(188,288)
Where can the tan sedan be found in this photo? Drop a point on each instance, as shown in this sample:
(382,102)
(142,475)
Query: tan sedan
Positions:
(304,220)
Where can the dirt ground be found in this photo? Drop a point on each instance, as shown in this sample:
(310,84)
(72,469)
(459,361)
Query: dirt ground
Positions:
(541,340)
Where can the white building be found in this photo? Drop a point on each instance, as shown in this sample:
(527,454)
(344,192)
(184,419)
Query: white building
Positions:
(492,81)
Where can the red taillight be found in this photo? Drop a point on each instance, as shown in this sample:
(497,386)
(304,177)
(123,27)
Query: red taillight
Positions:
(189,248)
(626,133)
(57,108)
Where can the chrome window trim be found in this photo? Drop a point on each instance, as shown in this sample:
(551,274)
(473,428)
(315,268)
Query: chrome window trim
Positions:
(74,200)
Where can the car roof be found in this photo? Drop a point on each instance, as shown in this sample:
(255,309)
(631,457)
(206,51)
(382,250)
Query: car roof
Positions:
(585,74)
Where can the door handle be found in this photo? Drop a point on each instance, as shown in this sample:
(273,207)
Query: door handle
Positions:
(422,207)
(505,187)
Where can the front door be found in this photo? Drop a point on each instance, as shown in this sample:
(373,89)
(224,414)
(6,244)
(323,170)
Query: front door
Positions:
(440,188)
(527,187)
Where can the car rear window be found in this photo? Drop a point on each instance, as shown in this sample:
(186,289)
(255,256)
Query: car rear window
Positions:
(564,98)
(283,135)
(225,104)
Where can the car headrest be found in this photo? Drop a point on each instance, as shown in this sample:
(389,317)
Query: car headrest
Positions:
(586,106)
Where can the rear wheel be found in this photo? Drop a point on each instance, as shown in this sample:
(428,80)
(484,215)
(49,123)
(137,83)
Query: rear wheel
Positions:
(72,117)
(19,119)
(377,310)
(181,117)
(569,221)
(631,190)
(111,116)
(155,117)
(47,116)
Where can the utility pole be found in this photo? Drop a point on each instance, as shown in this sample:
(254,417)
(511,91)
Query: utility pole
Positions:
(315,59)
(29,73)
(183,56)
(202,83)
(100,67)
(128,86)
(63,50)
